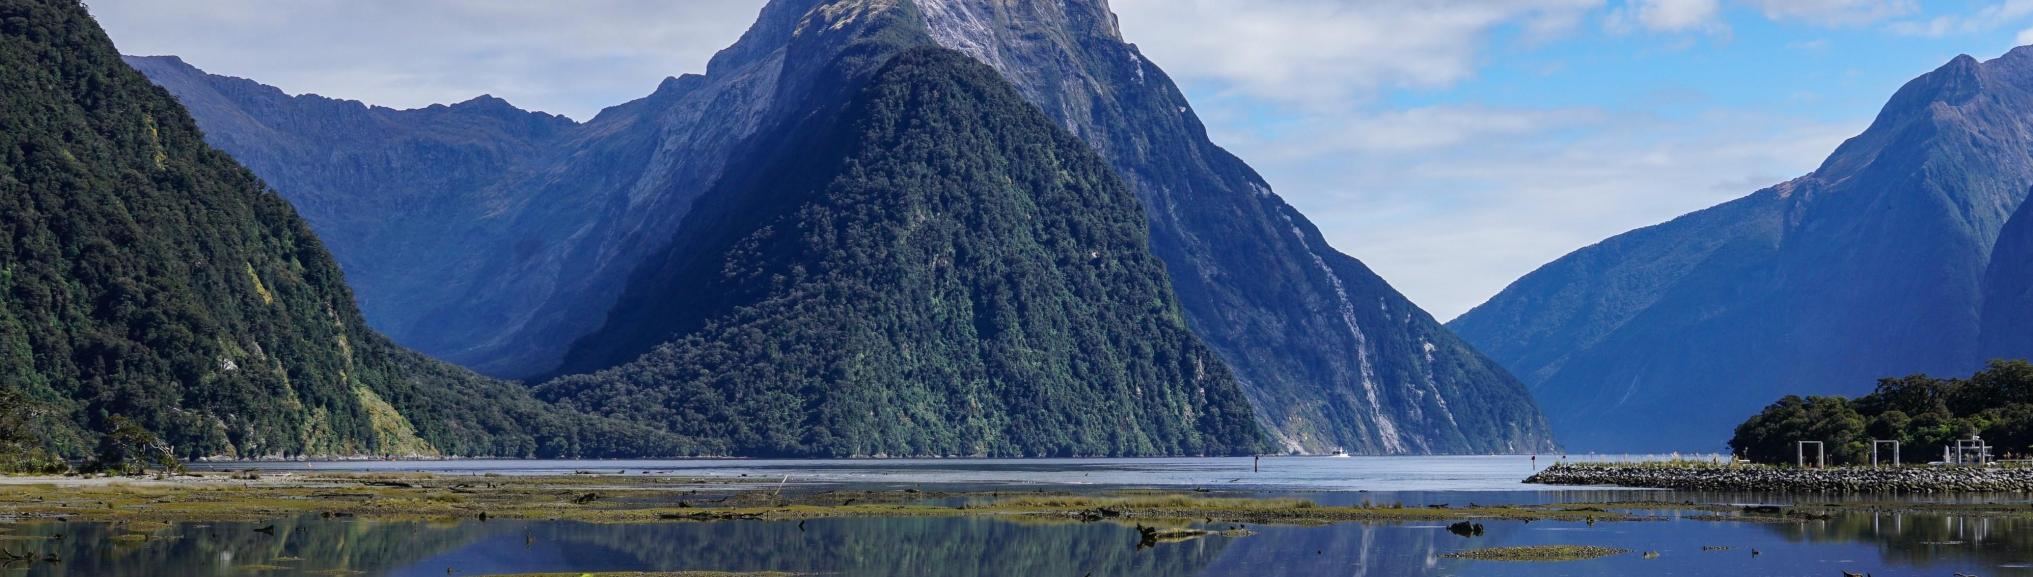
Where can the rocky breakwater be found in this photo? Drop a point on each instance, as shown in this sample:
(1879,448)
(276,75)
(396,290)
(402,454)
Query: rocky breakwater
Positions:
(1705,477)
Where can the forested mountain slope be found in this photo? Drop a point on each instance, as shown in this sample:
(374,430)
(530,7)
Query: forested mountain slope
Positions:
(937,269)
(146,276)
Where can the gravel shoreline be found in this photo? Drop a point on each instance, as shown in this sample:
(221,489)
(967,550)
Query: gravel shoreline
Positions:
(1761,478)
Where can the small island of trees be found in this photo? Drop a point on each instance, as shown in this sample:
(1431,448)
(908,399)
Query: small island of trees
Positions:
(1923,413)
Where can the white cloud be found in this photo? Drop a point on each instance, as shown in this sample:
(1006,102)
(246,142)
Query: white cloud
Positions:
(1834,12)
(1476,197)
(1451,203)
(1420,130)
(1330,51)
(1669,16)
(1990,17)
(571,58)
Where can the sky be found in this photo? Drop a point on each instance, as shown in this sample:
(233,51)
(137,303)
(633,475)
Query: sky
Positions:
(1453,145)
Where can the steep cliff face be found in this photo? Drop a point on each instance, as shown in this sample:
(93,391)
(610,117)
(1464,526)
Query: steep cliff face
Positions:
(1874,265)
(1330,354)
(145,276)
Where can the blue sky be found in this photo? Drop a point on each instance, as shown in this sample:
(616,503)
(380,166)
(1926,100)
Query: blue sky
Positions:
(1453,145)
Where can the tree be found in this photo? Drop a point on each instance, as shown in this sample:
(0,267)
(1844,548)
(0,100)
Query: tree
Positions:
(24,442)
(1773,435)
(129,449)
(1918,411)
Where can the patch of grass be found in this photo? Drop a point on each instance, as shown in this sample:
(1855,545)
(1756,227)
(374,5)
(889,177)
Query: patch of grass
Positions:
(1538,553)
(655,574)
(414,497)
(148,526)
(1063,502)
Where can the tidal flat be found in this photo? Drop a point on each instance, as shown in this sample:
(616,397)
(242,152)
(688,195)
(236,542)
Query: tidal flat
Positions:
(211,497)
(609,525)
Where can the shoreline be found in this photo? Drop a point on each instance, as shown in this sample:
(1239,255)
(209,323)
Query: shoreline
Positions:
(1906,480)
(634,499)
(209,497)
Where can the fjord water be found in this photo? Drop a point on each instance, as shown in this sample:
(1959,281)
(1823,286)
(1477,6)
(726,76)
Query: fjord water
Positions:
(1884,544)
(1881,543)
(1451,473)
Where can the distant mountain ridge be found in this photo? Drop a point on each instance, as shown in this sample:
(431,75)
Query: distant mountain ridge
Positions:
(1328,354)
(1875,265)
(146,277)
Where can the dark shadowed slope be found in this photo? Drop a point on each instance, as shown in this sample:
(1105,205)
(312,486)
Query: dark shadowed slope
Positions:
(2008,292)
(145,275)
(1874,265)
(411,200)
(936,269)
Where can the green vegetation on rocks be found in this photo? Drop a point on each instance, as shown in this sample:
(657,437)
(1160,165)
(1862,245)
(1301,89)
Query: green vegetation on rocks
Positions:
(937,270)
(27,432)
(152,287)
(1925,414)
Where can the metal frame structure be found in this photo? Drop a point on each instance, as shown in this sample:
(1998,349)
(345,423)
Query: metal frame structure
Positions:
(1876,443)
(1820,453)
(1974,445)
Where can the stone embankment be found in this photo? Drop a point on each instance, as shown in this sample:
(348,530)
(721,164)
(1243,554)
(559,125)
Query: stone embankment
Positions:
(1762,478)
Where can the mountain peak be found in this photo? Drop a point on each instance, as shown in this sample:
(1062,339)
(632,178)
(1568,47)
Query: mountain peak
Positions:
(165,59)
(485,102)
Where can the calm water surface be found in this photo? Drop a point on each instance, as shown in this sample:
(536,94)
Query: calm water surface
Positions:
(1881,544)
(1316,473)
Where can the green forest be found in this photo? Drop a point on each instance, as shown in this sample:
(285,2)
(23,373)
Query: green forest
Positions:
(152,286)
(940,270)
(1923,413)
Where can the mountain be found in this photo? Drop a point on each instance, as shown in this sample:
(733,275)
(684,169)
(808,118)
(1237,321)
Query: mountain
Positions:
(2008,292)
(937,270)
(1873,265)
(1328,353)
(146,277)
(410,199)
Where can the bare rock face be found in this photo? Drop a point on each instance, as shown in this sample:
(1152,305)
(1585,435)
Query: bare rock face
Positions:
(1328,353)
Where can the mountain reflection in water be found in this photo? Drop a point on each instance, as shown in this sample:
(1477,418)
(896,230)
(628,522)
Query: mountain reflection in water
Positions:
(963,547)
